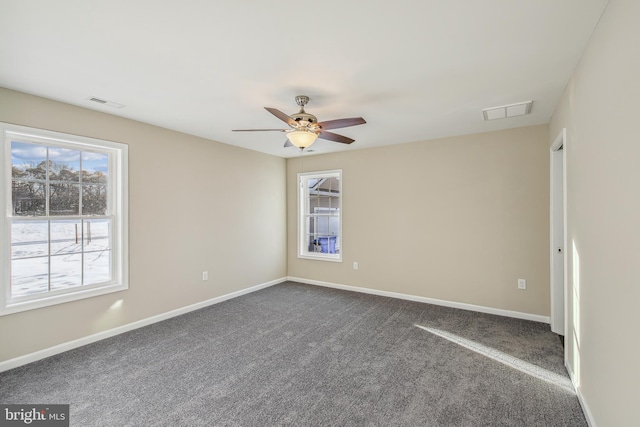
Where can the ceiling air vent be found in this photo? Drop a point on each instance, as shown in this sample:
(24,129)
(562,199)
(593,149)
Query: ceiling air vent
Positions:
(105,102)
(507,111)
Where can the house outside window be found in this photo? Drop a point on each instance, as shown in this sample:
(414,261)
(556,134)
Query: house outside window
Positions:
(64,200)
(319,215)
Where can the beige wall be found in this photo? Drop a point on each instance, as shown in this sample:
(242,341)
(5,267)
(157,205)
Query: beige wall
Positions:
(457,219)
(233,227)
(600,111)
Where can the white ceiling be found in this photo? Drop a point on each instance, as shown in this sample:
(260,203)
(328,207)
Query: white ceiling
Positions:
(414,69)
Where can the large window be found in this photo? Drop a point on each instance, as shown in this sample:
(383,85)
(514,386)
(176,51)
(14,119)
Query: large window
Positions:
(319,218)
(64,203)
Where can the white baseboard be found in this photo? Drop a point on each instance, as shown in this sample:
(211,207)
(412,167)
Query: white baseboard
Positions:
(583,403)
(452,304)
(60,348)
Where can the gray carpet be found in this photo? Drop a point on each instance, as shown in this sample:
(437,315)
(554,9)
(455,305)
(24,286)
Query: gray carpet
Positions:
(301,355)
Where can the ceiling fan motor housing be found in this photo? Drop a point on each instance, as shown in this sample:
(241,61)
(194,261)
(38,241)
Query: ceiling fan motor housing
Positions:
(304,118)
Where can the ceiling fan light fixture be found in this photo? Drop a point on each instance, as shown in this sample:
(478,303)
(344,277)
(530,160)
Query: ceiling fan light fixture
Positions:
(302,138)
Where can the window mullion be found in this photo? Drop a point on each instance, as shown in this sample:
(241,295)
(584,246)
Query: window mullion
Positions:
(47,196)
(47,189)
(81,221)
(80,187)
(49,256)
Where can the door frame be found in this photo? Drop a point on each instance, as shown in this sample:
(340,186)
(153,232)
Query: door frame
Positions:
(558,320)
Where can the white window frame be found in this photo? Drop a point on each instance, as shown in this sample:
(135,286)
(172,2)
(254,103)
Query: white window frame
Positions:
(303,194)
(118,208)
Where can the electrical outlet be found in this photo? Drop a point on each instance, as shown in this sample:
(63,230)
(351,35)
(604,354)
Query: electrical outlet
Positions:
(205,275)
(355,265)
(522,284)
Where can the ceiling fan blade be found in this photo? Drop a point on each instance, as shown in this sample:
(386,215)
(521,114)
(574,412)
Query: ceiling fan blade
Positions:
(335,137)
(288,144)
(258,130)
(341,123)
(282,116)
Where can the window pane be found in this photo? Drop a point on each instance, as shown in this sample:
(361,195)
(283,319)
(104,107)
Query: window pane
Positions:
(66,271)
(323,225)
(313,203)
(28,198)
(311,225)
(334,230)
(95,167)
(29,276)
(334,203)
(333,185)
(327,244)
(97,235)
(323,201)
(66,237)
(64,164)
(313,243)
(28,161)
(334,226)
(64,199)
(94,200)
(29,239)
(97,267)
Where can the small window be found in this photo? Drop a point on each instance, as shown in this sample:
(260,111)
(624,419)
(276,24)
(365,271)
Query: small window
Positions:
(65,213)
(319,223)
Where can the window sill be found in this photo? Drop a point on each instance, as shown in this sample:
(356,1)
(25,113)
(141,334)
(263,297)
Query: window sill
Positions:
(320,257)
(47,301)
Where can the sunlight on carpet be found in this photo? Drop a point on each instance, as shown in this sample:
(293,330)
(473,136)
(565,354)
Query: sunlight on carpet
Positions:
(506,359)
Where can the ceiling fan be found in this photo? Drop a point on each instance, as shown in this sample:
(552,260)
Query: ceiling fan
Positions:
(305,128)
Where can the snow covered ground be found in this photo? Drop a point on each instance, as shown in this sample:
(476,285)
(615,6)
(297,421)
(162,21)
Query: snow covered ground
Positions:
(54,255)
